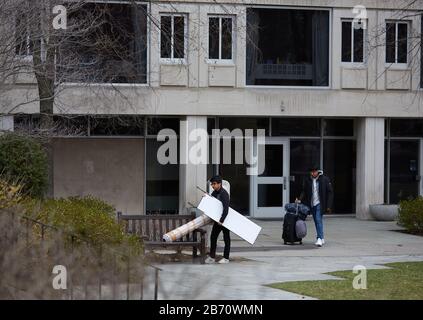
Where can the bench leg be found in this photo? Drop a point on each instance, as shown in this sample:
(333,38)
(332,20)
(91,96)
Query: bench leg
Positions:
(203,249)
(194,252)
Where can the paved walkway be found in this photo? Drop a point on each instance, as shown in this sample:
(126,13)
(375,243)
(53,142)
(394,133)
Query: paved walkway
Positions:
(350,242)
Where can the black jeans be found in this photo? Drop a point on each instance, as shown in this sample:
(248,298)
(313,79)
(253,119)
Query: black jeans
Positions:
(213,240)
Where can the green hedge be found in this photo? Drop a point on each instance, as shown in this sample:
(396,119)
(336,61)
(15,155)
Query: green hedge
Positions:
(90,219)
(410,215)
(23,159)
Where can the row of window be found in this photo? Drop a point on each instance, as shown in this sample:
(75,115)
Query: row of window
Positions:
(298,56)
(353,42)
(173,39)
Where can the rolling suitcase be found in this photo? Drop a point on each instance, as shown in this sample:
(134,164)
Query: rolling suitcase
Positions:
(289,234)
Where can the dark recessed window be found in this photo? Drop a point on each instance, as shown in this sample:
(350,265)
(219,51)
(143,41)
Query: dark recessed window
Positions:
(244,124)
(172,37)
(396,42)
(69,125)
(406,128)
(117,126)
(300,127)
(352,42)
(154,125)
(339,161)
(113,51)
(26,123)
(287,47)
(23,40)
(339,127)
(220,38)
(162,182)
(211,124)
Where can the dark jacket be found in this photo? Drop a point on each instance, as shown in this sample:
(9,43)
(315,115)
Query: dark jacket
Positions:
(325,192)
(223,196)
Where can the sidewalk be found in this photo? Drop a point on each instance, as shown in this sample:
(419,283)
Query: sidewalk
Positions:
(350,242)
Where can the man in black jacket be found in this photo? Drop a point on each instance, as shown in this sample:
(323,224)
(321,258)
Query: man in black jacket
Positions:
(317,193)
(221,194)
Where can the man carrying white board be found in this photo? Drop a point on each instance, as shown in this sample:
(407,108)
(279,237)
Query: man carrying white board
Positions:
(221,194)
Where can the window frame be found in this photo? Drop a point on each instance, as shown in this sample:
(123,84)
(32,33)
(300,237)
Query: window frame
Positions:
(329,86)
(399,65)
(148,54)
(29,51)
(220,60)
(352,62)
(172,59)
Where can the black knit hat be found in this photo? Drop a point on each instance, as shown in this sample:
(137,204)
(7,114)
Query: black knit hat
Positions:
(217,179)
(314,167)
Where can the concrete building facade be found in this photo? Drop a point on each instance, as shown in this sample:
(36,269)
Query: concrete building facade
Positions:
(331,83)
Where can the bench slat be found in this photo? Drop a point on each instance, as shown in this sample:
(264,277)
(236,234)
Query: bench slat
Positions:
(147,228)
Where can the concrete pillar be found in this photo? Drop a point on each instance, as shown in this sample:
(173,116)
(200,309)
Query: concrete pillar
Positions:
(191,174)
(6,123)
(370,164)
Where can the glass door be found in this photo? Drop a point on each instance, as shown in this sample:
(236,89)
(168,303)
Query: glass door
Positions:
(270,190)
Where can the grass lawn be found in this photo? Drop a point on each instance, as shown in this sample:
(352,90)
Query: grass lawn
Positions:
(404,281)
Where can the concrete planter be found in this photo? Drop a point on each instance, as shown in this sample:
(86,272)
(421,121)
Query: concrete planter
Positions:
(384,212)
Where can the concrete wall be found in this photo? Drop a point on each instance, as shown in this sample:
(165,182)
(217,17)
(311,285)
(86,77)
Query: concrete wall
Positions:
(198,86)
(110,169)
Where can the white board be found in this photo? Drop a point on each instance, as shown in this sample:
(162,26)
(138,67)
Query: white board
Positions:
(234,221)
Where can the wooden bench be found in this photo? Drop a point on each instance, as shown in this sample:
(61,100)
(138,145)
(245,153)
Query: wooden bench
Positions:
(151,228)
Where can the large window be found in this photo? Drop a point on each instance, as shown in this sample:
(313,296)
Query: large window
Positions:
(106,43)
(339,161)
(396,42)
(402,159)
(172,37)
(220,38)
(287,47)
(352,42)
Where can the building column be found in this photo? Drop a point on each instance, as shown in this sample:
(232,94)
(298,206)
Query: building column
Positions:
(192,174)
(370,165)
(6,123)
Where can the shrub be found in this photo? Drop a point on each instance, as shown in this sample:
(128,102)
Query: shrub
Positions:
(10,193)
(23,158)
(410,215)
(89,219)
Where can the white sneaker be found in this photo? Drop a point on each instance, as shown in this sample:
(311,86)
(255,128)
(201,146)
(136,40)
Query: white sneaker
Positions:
(210,260)
(323,241)
(319,242)
(223,261)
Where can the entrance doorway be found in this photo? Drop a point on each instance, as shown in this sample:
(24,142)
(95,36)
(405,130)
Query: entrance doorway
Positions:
(270,190)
